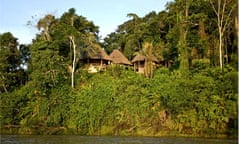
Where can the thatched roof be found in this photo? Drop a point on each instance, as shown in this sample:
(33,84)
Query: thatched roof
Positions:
(99,54)
(118,58)
(140,57)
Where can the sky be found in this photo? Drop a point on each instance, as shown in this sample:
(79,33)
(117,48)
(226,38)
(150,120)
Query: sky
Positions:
(107,14)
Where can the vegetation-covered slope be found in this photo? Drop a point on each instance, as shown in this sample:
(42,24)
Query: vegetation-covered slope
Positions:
(125,103)
(45,90)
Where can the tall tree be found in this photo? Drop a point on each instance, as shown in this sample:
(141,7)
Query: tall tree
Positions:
(71,34)
(72,45)
(183,31)
(223,10)
(44,25)
(131,35)
(9,62)
(81,33)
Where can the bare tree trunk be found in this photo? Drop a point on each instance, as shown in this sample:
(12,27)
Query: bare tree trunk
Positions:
(220,49)
(223,21)
(74,59)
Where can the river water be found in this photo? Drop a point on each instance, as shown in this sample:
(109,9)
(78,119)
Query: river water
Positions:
(75,139)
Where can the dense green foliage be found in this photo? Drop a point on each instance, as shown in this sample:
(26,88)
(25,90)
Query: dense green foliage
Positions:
(188,95)
(122,102)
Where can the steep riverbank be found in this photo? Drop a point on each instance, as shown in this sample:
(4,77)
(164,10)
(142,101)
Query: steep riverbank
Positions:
(121,102)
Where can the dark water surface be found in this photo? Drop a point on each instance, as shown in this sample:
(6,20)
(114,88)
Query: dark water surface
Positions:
(75,139)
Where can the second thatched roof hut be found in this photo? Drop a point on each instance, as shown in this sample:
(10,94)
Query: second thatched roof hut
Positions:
(118,58)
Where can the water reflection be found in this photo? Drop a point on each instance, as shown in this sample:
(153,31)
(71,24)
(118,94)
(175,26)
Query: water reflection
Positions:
(75,139)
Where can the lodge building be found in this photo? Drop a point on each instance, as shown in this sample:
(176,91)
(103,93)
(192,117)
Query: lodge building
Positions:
(100,60)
